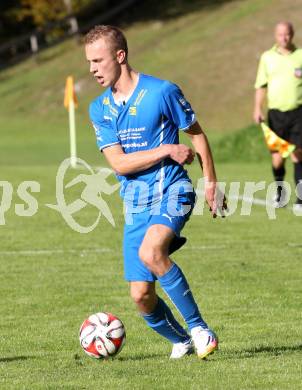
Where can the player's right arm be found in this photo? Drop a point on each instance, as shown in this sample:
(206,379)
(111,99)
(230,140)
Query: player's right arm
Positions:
(129,163)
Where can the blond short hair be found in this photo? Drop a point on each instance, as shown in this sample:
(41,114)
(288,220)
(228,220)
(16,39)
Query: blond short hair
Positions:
(113,35)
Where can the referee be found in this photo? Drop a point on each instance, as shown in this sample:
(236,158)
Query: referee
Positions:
(279,78)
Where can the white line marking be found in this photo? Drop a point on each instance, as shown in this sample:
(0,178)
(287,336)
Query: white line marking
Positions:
(55,251)
(294,245)
(257,201)
(246,199)
(261,202)
(96,250)
(204,247)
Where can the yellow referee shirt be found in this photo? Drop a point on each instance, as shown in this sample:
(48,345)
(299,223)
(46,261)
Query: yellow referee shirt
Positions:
(282,75)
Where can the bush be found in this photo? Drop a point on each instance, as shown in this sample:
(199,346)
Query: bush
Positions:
(246,144)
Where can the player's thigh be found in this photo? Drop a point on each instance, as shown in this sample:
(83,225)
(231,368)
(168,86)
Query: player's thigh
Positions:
(134,268)
(154,251)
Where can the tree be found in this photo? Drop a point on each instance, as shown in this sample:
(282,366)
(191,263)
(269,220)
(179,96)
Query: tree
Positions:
(41,12)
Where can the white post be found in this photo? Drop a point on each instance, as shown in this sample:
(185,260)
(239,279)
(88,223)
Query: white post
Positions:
(74,27)
(34,43)
(72,131)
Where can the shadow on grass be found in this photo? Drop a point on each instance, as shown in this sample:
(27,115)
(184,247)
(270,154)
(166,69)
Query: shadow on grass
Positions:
(135,358)
(257,351)
(276,350)
(15,358)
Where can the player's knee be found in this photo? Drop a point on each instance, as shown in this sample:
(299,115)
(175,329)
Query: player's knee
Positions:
(140,295)
(150,256)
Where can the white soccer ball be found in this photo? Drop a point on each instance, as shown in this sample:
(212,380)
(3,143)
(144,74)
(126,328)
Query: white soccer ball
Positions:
(102,335)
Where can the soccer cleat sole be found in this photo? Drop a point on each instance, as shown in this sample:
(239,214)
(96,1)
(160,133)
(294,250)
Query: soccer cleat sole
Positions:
(209,351)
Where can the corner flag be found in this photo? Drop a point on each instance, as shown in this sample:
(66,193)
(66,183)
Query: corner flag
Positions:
(70,102)
(275,143)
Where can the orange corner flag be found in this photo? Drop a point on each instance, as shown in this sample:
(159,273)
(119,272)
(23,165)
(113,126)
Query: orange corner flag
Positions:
(70,93)
(275,143)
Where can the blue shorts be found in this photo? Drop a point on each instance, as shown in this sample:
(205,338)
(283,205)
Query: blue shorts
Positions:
(134,233)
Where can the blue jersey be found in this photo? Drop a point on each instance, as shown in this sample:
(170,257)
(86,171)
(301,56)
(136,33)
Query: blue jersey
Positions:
(153,115)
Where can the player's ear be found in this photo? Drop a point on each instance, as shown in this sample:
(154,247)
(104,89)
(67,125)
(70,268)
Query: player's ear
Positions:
(121,56)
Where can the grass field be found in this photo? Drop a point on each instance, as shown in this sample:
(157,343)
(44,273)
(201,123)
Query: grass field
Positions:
(245,271)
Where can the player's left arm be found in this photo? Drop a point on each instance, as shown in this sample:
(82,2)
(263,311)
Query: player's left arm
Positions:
(203,151)
(178,110)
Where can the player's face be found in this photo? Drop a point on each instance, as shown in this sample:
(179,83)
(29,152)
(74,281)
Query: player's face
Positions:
(103,62)
(283,36)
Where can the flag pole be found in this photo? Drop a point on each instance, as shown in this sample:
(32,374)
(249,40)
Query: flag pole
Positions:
(72,134)
(70,102)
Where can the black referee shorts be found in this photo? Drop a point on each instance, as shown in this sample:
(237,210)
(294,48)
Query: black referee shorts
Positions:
(287,125)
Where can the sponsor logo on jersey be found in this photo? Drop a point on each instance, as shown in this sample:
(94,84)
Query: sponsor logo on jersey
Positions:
(106,101)
(135,145)
(132,130)
(132,110)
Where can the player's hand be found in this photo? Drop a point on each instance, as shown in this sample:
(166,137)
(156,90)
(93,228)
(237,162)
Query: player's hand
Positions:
(182,154)
(258,116)
(215,199)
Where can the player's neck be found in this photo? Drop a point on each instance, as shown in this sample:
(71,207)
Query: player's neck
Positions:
(126,83)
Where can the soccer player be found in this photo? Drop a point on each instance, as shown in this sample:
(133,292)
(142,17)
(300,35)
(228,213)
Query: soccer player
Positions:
(280,78)
(137,122)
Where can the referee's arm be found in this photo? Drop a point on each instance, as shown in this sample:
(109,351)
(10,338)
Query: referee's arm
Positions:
(260,95)
(261,88)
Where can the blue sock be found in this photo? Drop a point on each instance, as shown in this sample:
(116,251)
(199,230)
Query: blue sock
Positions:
(177,288)
(164,323)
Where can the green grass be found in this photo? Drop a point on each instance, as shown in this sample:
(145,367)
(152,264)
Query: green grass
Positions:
(246,144)
(244,271)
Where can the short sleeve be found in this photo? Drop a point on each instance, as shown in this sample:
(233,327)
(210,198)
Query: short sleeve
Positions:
(104,130)
(261,79)
(176,108)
